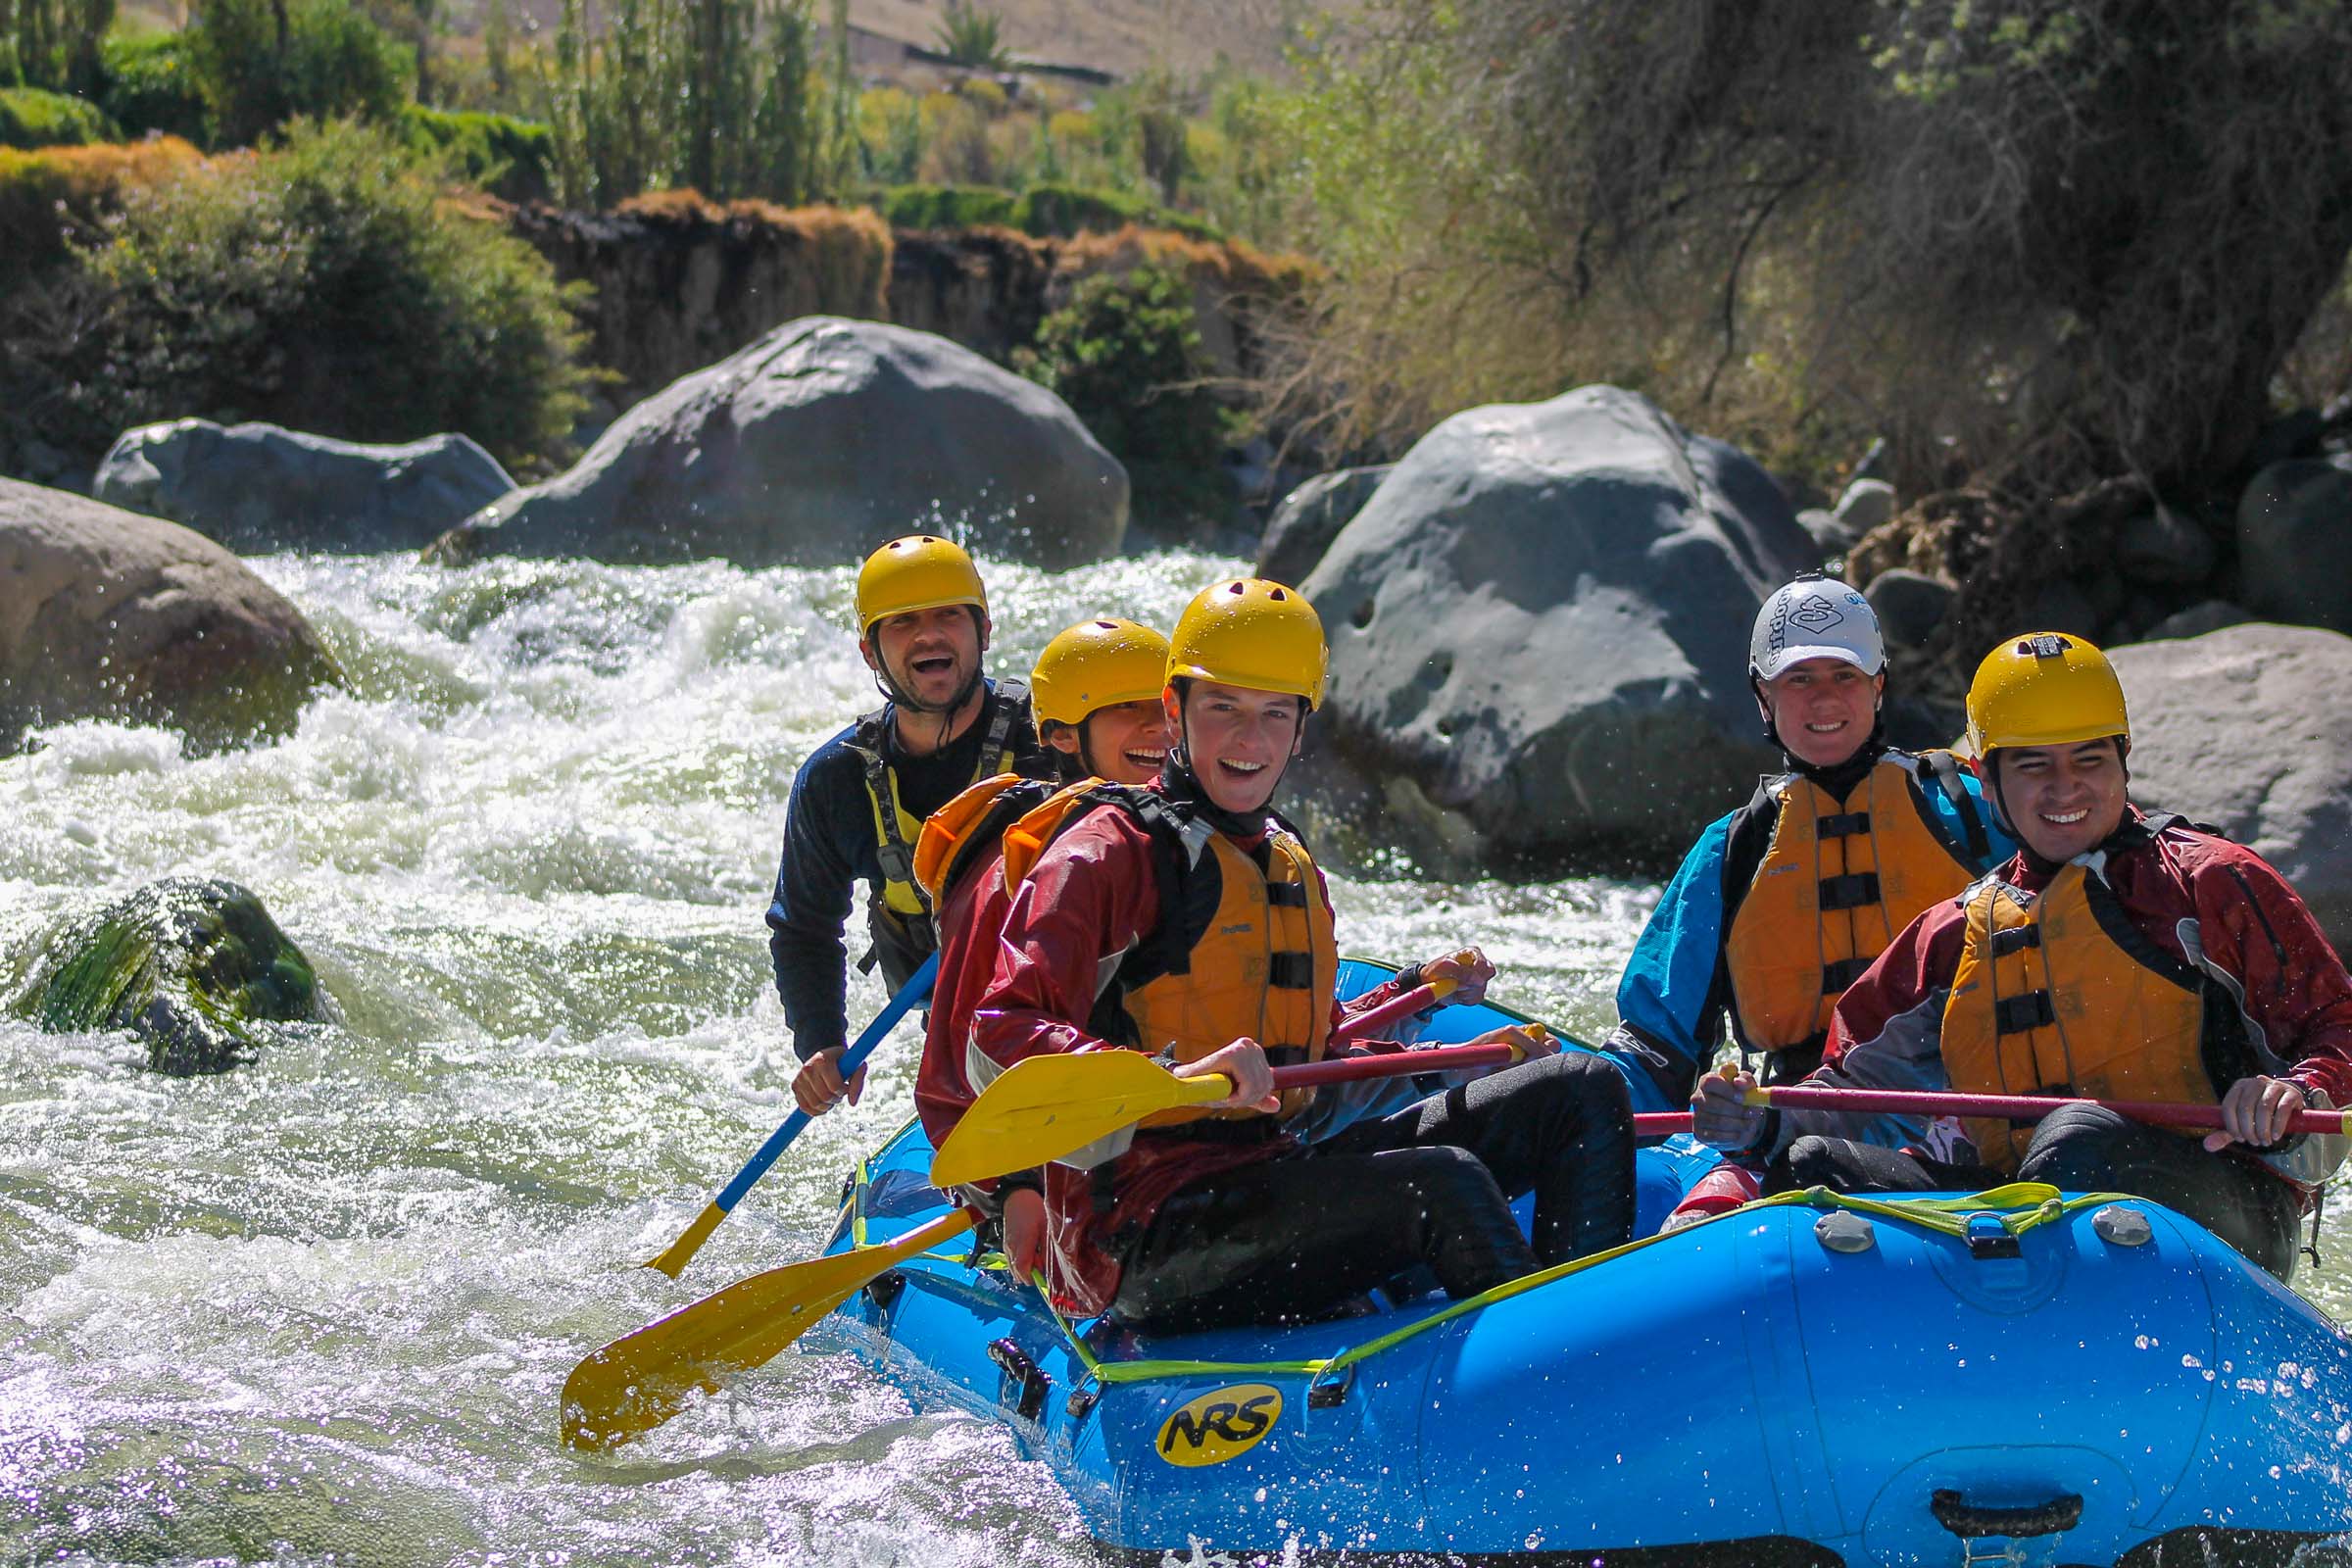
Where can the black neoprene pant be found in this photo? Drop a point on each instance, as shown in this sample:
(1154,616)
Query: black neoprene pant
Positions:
(1294,1238)
(2081,1149)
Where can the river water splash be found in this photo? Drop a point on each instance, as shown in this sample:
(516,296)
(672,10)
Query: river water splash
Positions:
(318,1309)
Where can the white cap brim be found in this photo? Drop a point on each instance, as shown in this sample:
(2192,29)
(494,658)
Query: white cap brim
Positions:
(1797,655)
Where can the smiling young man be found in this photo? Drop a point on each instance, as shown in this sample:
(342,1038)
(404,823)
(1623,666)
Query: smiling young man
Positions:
(1188,920)
(1779,905)
(859,803)
(2120,955)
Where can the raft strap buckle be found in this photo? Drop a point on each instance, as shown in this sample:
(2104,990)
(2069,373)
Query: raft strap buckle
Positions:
(1328,1389)
(1988,1238)
(884,1289)
(1017,1367)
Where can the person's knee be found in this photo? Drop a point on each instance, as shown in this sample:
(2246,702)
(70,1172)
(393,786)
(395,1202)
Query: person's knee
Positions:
(1588,1085)
(1441,1177)
(1810,1161)
(2077,1146)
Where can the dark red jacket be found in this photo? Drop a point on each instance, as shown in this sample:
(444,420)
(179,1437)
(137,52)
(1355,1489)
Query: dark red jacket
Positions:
(1093,895)
(2179,886)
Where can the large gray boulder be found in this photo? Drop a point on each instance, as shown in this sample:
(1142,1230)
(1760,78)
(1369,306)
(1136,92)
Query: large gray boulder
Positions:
(261,486)
(107,614)
(1310,518)
(813,445)
(2245,728)
(1539,626)
(2294,542)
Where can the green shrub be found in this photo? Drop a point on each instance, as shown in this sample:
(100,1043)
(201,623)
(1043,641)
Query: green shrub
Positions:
(944,206)
(1061,211)
(505,156)
(332,62)
(1125,354)
(324,284)
(151,86)
(1049,212)
(30,117)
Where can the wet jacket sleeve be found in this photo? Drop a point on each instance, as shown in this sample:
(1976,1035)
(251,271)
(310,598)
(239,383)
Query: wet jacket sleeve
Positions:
(1670,1000)
(1886,1033)
(827,825)
(2291,985)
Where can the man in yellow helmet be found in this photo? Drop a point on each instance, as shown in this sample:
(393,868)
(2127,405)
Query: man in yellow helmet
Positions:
(859,803)
(1188,920)
(2120,955)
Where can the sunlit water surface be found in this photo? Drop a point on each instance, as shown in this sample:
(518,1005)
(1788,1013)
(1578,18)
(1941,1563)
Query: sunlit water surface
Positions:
(318,1310)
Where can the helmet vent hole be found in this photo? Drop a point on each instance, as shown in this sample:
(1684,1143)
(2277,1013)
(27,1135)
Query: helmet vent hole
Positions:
(1363,616)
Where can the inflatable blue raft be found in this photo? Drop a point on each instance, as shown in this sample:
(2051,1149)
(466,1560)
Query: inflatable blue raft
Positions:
(2014,1377)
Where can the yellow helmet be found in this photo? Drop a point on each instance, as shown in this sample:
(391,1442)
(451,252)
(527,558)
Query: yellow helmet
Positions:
(1252,633)
(2044,689)
(1096,663)
(921,571)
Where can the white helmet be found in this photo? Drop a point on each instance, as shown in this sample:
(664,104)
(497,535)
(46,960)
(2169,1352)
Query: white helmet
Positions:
(1815,618)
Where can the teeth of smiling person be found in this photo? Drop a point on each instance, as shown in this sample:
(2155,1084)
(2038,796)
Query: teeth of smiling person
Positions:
(1239,768)
(2068,819)
(1824,730)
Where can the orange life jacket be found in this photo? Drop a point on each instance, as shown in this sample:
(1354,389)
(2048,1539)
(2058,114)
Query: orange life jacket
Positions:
(1839,881)
(2061,993)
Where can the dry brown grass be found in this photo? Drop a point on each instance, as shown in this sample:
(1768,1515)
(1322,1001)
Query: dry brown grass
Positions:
(45,196)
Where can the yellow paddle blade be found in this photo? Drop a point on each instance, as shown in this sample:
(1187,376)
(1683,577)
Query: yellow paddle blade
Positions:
(640,1381)
(1043,1108)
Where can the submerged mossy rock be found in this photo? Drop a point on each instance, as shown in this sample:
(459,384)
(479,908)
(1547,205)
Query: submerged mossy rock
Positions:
(189,964)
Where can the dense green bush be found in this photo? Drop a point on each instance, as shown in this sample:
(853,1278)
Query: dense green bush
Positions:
(1061,211)
(324,284)
(1125,354)
(30,117)
(330,62)
(505,156)
(151,86)
(1046,210)
(944,206)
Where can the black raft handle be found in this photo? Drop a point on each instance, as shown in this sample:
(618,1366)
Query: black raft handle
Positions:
(1970,1522)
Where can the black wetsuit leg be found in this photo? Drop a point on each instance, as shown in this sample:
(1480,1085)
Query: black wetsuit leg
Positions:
(1844,1165)
(2086,1148)
(1294,1239)
(1560,1126)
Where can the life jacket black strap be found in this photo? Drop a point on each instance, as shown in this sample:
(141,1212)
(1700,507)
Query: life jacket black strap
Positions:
(1291,971)
(1850,892)
(1843,825)
(1287,895)
(1837,976)
(2016,939)
(2016,1015)
(1286,1055)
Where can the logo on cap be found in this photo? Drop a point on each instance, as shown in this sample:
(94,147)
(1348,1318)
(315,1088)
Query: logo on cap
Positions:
(2048,645)
(1815,613)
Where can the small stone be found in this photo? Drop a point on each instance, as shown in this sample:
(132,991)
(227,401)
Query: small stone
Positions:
(1910,606)
(1866,504)
(2164,546)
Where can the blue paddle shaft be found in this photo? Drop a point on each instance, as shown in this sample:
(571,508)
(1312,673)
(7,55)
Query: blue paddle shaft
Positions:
(912,994)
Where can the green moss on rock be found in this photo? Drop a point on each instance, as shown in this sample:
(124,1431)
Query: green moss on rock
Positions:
(189,964)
